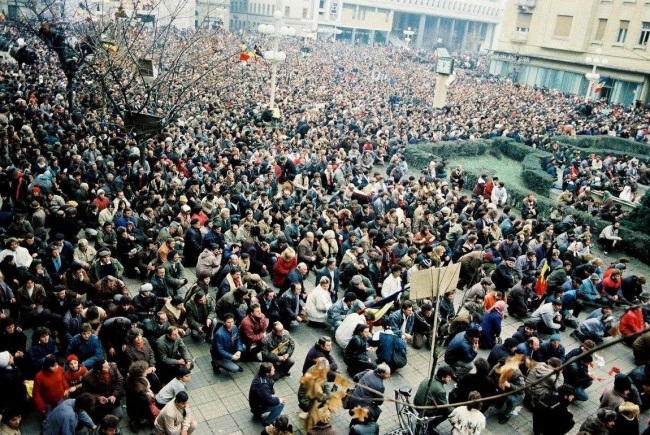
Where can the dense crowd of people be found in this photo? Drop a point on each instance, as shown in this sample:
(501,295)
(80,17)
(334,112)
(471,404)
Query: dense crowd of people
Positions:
(243,223)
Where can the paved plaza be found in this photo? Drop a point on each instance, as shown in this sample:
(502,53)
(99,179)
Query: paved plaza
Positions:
(220,402)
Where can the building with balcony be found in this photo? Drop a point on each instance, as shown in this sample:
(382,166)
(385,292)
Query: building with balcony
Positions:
(308,17)
(459,25)
(546,43)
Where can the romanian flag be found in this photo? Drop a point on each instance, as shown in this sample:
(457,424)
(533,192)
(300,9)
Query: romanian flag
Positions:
(81,9)
(599,87)
(244,56)
(541,285)
(110,47)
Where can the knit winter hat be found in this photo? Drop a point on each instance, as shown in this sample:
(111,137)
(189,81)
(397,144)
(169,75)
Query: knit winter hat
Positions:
(622,382)
(4,359)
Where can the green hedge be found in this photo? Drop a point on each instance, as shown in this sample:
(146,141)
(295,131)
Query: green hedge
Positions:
(535,180)
(602,144)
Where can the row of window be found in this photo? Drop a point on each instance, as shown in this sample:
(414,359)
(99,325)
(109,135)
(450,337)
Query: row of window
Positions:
(621,34)
(563,25)
(458,6)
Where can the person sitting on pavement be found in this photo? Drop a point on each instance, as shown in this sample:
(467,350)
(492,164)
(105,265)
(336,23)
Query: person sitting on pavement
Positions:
(319,302)
(175,417)
(341,308)
(173,387)
(356,352)
(86,346)
(371,400)
(595,329)
(491,326)
(261,396)
(253,330)
(423,325)
(432,392)
(550,383)
(201,315)
(632,323)
(278,347)
(106,384)
(601,423)
(226,347)
(551,415)
(321,349)
(577,375)
(501,351)
(462,351)
(548,317)
(390,348)
(171,353)
(552,348)
(402,321)
(522,298)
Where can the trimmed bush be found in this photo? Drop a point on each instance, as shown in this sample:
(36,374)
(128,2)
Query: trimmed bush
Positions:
(600,144)
(539,182)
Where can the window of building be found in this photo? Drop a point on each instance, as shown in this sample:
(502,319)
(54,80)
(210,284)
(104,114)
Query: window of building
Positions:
(600,30)
(523,22)
(622,32)
(305,12)
(645,34)
(287,11)
(563,26)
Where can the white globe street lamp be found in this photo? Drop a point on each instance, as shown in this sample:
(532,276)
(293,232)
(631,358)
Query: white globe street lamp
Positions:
(408,36)
(593,76)
(275,57)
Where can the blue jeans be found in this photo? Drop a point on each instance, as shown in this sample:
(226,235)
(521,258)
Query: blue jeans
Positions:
(227,365)
(274,413)
(512,401)
(581,394)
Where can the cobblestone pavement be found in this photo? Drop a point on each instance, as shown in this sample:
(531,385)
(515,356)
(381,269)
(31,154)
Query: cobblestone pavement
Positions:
(220,402)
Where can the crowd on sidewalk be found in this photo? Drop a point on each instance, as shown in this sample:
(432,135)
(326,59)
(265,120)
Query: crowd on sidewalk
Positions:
(242,226)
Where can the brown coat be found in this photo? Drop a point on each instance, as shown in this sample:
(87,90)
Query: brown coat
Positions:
(98,386)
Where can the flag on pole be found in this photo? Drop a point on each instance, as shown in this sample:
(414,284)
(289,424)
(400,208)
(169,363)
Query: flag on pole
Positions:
(110,47)
(81,8)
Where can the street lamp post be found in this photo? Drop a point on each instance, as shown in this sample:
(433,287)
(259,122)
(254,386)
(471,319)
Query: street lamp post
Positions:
(593,76)
(275,56)
(408,36)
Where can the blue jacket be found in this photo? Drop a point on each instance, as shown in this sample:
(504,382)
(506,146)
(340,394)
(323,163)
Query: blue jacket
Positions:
(589,290)
(324,272)
(460,349)
(63,419)
(546,351)
(387,345)
(396,320)
(261,395)
(524,349)
(592,327)
(38,352)
(88,351)
(225,344)
(491,328)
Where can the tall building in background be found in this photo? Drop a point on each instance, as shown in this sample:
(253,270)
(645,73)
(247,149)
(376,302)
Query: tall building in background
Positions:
(546,43)
(460,25)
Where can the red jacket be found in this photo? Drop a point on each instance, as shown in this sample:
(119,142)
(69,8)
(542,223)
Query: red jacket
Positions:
(49,388)
(631,322)
(252,330)
(281,269)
